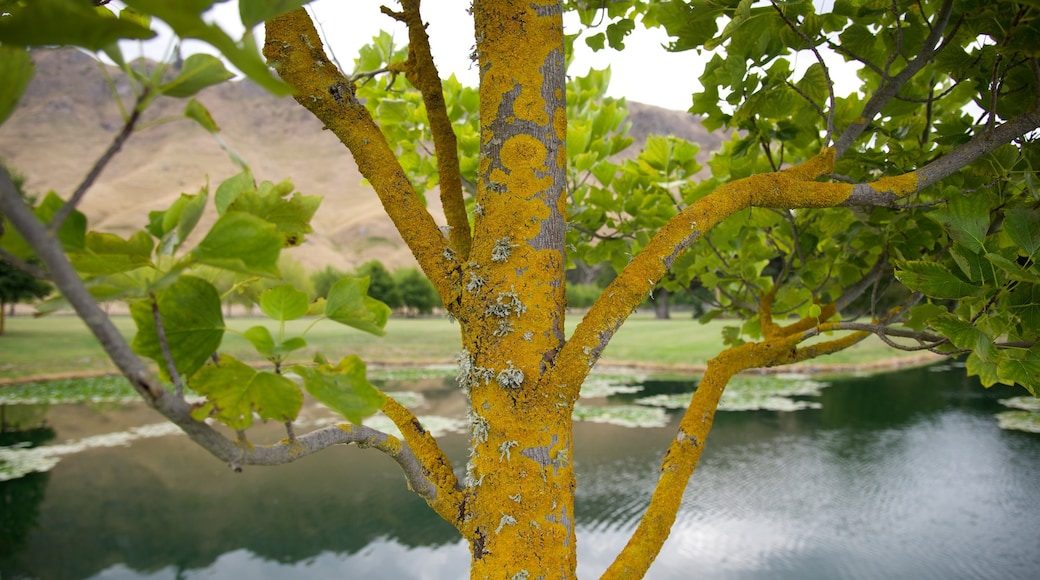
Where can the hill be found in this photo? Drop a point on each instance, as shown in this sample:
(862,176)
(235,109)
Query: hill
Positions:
(68,117)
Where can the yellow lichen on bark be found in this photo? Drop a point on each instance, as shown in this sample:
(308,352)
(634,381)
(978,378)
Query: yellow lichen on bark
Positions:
(420,70)
(897,185)
(435,464)
(519,497)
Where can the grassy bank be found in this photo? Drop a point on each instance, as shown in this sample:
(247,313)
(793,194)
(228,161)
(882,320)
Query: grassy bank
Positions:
(61,344)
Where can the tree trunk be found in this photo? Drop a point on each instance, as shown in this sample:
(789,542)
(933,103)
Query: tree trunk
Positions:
(519,510)
(661,304)
(3,317)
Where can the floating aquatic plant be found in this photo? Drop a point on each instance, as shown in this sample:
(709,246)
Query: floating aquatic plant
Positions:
(771,393)
(622,415)
(602,386)
(1025,418)
(1019,421)
(18,460)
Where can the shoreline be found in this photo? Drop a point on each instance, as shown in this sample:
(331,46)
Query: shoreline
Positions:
(809,368)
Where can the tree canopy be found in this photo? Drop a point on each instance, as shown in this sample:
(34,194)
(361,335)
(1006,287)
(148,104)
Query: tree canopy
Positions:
(906,208)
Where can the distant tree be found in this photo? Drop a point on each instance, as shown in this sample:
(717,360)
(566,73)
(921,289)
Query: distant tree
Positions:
(17,285)
(323,279)
(381,285)
(416,290)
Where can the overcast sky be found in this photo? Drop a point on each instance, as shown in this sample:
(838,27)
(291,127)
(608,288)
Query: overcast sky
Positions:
(643,72)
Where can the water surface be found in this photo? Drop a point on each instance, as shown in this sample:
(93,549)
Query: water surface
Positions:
(902,475)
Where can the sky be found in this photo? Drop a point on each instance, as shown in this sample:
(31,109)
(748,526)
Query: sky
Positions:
(643,72)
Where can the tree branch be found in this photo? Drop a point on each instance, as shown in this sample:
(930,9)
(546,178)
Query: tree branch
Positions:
(175,409)
(22,265)
(790,188)
(421,71)
(441,489)
(887,190)
(891,85)
(295,51)
(829,117)
(684,452)
(99,165)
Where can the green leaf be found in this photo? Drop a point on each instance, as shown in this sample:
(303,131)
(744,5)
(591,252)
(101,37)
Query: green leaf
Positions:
(66,22)
(934,280)
(922,314)
(284,303)
(234,391)
(200,114)
(174,225)
(72,234)
(1013,270)
(596,42)
(185,18)
(348,303)
(199,71)
(967,219)
(1023,227)
(985,370)
(265,344)
(73,230)
(231,188)
(261,339)
(343,388)
(964,334)
(243,243)
(254,12)
(110,254)
(16,70)
(291,216)
(617,31)
(192,323)
(1022,367)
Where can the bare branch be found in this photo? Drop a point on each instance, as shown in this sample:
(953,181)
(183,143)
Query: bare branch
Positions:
(857,290)
(99,165)
(164,345)
(22,265)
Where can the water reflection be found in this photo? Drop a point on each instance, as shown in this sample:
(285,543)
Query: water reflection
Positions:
(902,475)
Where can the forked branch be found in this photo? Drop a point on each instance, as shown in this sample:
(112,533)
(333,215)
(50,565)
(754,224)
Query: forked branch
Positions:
(421,71)
(294,49)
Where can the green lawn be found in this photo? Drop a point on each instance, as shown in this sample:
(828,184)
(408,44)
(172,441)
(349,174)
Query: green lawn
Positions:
(61,344)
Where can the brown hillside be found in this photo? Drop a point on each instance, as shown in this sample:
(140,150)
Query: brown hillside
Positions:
(68,117)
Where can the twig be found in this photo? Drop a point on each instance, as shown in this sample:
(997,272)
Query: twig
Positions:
(891,85)
(826,73)
(21,264)
(99,165)
(171,367)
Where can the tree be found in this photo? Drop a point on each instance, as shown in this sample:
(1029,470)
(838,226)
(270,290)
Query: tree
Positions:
(416,291)
(382,285)
(17,285)
(323,279)
(922,178)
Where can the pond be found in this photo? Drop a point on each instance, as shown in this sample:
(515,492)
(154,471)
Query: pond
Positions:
(900,475)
